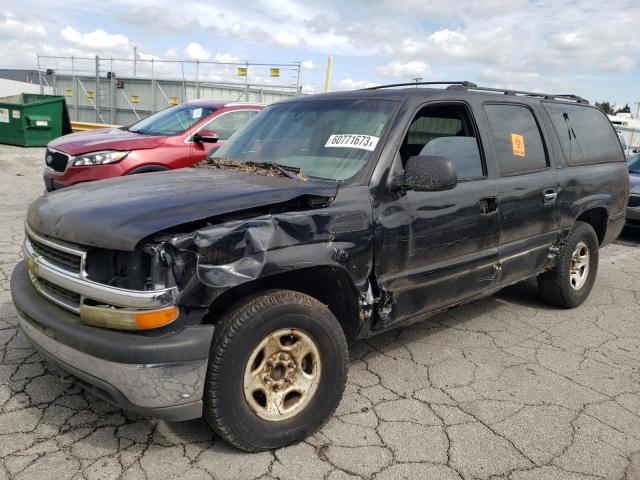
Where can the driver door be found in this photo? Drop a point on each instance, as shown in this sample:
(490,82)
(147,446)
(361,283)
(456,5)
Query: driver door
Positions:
(434,249)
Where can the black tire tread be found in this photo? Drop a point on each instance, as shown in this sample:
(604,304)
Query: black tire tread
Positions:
(232,321)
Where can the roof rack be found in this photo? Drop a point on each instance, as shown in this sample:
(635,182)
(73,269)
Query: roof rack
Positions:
(564,96)
(466,85)
(462,83)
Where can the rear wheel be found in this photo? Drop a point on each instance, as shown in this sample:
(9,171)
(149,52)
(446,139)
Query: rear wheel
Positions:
(569,283)
(277,370)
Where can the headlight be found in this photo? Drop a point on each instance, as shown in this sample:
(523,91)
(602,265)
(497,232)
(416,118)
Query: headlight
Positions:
(99,158)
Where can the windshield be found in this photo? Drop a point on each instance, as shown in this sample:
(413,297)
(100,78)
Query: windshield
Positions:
(172,121)
(634,164)
(326,139)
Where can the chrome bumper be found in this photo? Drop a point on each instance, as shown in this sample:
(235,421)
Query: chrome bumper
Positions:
(144,386)
(40,267)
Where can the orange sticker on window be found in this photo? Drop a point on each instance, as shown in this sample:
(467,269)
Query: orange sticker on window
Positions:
(517,142)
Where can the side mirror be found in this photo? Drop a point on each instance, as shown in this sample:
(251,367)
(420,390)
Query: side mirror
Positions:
(426,173)
(205,136)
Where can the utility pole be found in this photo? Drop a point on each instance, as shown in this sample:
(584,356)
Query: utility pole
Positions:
(417,80)
(637,109)
(327,78)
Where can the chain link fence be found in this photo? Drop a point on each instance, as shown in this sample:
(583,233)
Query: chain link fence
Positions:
(122,91)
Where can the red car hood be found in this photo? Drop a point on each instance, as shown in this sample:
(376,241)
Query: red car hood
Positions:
(105,139)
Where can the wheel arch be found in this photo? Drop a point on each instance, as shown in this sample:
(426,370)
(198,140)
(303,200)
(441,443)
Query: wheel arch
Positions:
(329,284)
(598,218)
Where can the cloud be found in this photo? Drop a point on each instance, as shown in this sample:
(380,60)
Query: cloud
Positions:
(256,34)
(350,84)
(12,27)
(161,20)
(195,51)
(227,58)
(307,65)
(96,40)
(406,70)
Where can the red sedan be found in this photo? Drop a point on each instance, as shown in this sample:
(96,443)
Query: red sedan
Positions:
(176,137)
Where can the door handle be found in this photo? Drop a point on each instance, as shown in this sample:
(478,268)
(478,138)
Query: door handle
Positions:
(488,205)
(550,195)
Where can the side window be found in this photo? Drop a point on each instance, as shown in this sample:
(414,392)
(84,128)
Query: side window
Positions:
(585,134)
(446,131)
(227,123)
(517,139)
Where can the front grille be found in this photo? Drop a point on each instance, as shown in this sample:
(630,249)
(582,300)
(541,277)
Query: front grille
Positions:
(60,293)
(634,201)
(66,260)
(57,161)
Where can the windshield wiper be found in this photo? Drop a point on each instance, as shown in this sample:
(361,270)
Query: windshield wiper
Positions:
(291,172)
(286,170)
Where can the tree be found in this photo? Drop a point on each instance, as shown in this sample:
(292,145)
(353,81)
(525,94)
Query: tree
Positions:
(625,109)
(606,107)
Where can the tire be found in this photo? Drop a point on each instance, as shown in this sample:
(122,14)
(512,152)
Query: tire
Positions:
(235,396)
(557,286)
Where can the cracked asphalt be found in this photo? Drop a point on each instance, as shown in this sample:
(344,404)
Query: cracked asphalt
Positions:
(504,388)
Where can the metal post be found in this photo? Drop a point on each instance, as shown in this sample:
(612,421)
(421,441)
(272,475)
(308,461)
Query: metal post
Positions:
(197,79)
(40,77)
(112,94)
(153,89)
(184,84)
(135,60)
(54,83)
(246,81)
(74,90)
(298,88)
(97,92)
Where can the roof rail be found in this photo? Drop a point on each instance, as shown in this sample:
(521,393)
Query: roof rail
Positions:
(462,83)
(505,91)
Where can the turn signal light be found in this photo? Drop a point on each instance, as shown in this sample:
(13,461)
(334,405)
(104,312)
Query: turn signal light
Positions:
(109,317)
(156,318)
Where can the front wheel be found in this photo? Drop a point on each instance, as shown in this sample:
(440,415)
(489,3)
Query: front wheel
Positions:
(277,370)
(569,283)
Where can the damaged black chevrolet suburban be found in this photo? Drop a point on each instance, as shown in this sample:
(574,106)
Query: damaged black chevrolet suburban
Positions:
(229,292)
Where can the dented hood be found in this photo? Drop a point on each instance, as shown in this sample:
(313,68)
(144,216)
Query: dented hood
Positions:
(118,213)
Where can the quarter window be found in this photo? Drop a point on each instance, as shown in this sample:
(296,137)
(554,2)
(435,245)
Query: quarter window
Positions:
(585,134)
(517,139)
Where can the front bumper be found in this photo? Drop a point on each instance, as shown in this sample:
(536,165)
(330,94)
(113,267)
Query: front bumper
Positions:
(158,376)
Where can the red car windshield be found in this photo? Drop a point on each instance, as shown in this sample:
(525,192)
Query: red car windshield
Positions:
(172,121)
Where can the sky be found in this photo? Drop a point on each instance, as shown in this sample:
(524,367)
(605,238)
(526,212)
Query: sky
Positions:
(587,47)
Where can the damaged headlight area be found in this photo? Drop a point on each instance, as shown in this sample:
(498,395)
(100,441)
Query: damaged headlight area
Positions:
(154,267)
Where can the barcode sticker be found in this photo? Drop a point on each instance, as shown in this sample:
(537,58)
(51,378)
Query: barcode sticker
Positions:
(347,140)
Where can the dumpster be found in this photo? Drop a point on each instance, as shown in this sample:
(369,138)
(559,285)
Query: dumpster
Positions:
(31,120)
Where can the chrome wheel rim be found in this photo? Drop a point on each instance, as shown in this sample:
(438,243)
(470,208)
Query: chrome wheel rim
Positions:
(282,374)
(579,266)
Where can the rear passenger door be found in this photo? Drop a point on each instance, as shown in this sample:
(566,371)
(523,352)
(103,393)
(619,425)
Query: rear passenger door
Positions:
(529,190)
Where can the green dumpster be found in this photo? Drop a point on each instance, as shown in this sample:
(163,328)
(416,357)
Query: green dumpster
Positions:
(31,120)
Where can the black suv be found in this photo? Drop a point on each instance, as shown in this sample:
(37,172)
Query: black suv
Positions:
(229,291)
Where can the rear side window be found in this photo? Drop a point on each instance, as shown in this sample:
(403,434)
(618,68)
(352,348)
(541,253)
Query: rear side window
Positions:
(517,139)
(585,134)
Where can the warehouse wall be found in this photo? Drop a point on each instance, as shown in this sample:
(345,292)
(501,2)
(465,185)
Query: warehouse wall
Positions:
(13,87)
(120,105)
